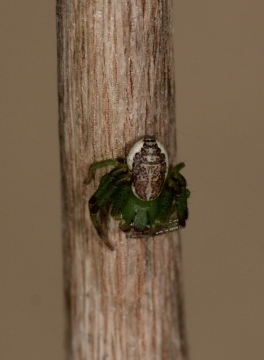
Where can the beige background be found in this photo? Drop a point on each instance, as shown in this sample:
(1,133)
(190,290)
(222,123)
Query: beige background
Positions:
(219,64)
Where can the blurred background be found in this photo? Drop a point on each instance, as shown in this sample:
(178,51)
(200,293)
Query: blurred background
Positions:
(219,52)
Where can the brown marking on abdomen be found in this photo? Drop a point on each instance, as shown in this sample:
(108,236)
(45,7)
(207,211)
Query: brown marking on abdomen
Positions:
(148,170)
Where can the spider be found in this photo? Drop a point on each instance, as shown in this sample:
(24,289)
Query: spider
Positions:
(142,193)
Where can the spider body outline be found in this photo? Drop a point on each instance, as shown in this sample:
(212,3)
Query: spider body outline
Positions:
(143,193)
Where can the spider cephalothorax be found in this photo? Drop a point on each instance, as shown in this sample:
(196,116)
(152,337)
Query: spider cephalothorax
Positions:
(143,194)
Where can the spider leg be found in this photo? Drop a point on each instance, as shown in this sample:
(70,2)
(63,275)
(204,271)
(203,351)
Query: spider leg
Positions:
(171,225)
(177,184)
(121,209)
(173,197)
(158,229)
(108,180)
(177,169)
(161,224)
(97,165)
(104,194)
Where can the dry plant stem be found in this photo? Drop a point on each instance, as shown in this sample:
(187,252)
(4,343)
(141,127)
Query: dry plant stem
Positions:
(116,83)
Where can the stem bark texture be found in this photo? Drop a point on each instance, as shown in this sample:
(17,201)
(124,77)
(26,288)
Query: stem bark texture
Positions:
(116,84)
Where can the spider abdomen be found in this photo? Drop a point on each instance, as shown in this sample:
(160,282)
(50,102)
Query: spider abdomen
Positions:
(148,162)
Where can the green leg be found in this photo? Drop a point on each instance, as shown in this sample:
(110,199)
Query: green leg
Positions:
(104,194)
(177,184)
(101,197)
(121,211)
(182,206)
(161,223)
(165,205)
(107,187)
(98,165)
(177,169)
(100,231)
(110,180)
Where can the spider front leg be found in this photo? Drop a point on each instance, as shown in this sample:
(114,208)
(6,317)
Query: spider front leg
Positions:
(104,194)
(98,165)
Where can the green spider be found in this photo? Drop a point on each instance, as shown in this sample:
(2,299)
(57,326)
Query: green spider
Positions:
(143,193)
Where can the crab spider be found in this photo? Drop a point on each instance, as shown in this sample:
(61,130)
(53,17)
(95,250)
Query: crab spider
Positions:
(143,193)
